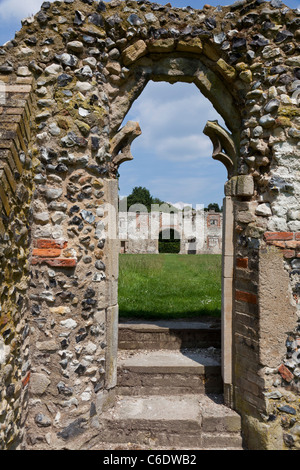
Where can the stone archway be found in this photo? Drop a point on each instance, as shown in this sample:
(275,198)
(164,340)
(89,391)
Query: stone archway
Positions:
(70,76)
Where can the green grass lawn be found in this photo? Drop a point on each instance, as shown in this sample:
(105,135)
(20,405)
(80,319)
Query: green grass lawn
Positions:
(170,286)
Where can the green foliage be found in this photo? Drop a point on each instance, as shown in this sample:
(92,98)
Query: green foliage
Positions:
(170,286)
(169,245)
(139,196)
(213,207)
(141,200)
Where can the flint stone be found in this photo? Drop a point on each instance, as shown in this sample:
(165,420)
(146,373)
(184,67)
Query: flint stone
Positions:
(135,20)
(54,129)
(42,420)
(83,87)
(96,19)
(210,23)
(238,43)
(295,263)
(91,61)
(263,210)
(287,409)
(259,41)
(70,324)
(4,352)
(219,38)
(101,6)
(53,193)
(6,68)
(23,72)
(67,59)
(151,18)
(85,72)
(257,131)
(113,20)
(283,35)
(267,121)
(98,277)
(75,46)
(272,106)
(88,216)
(100,265)
(39,383)
(42,17)
(41,217)
(79,18)
(53,69)
(269,52)
(73,430)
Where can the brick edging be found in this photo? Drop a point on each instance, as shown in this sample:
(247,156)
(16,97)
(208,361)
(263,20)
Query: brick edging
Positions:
(14,138)
(288,242)
(51,252)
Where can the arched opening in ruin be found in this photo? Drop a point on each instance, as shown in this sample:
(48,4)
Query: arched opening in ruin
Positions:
(169,241)
(190,244)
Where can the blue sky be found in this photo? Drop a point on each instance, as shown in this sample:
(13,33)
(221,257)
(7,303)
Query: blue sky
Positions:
(172,157)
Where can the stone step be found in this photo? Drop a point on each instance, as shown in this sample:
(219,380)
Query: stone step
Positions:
(169,372)
(191,421)
(171,335)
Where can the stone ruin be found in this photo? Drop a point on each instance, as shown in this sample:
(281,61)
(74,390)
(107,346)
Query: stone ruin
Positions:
(68,80)
(197,231)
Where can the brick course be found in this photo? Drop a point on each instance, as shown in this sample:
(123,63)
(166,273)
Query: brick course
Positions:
(288,242)
(50,252)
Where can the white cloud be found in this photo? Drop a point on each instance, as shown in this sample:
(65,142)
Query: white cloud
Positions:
(172,119)
(184,149)
(172,157)
(18,10)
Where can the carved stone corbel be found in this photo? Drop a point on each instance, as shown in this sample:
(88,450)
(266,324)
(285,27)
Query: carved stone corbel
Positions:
(121,142)
(224,148)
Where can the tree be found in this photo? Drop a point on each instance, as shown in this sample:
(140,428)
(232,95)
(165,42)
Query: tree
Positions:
(140,195)
(213,207)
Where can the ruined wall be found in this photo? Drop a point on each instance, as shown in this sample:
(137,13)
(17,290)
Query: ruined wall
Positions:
(200,233)
(15,196)
(87,62)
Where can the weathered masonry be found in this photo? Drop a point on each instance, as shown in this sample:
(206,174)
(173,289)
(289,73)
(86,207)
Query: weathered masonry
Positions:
(197,232)
(68,80)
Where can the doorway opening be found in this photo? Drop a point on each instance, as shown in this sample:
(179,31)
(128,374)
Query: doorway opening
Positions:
(163,288)
(169,241)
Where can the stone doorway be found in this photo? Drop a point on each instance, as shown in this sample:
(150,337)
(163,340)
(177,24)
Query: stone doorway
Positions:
(223,145)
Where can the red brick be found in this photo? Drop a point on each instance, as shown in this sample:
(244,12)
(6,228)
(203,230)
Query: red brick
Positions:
(246,297)
(50,244)
(279,236)
(56,262)
(293,244)
(285,373)
(46,253)
(297,236)
(242,262)
(289,254)
(25,381)
(277,243)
